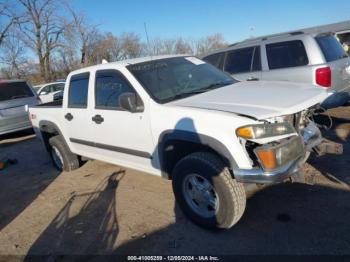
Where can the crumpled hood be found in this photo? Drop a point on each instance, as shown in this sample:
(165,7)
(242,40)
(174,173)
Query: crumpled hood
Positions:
(258,99)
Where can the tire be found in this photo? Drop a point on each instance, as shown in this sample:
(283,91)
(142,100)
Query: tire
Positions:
(229,195)
(59,152)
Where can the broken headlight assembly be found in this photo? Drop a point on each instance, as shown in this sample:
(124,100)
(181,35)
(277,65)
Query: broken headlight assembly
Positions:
(259,131)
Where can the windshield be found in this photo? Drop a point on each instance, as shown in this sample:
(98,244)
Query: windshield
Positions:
(14,90)
(178,77)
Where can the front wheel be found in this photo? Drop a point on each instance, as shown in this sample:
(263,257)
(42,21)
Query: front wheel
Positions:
(206,191)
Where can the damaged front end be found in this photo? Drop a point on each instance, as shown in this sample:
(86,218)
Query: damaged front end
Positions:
(278,156)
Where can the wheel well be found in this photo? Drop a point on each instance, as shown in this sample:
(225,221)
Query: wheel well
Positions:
(48,131)
(174,150)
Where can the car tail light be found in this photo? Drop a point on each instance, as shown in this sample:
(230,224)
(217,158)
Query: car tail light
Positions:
(324,76)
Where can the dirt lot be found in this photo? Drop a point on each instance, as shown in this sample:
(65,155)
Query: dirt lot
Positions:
(105,209)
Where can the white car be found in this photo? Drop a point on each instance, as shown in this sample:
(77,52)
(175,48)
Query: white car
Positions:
(183,119)
(46,92)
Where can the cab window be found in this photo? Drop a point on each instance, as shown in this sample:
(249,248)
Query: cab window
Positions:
(243,60)
(109,85)
(78,91)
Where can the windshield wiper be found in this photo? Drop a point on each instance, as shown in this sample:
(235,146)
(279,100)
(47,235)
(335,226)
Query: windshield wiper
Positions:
(202,90)
(217,84)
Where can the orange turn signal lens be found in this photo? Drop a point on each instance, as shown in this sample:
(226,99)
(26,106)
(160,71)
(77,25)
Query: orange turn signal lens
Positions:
(267,158)
(245,132)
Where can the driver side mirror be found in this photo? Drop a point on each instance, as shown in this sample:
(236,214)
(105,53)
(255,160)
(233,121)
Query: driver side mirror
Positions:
(131,102)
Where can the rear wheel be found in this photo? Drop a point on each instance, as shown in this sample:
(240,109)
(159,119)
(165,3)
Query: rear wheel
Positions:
(206,191)
(63,159)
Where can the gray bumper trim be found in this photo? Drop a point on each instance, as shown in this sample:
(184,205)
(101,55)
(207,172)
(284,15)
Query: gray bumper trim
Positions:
(261,176)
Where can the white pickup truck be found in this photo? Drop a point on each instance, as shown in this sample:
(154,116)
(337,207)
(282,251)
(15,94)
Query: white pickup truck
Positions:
(181,118)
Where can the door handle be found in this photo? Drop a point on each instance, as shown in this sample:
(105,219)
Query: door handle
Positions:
(98,119)
(68,116)
(252,79)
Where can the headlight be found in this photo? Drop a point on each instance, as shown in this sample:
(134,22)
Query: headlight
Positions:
(265,130)
(272,157)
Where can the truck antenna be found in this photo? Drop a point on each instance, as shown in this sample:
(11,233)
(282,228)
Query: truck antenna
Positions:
(148,43)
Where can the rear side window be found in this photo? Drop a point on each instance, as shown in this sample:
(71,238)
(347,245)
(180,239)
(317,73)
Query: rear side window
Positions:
(109,85)
(14,90)
(286,54)
(57,87)
(46,89)
(215,59)
(239,61)
(331,48)
(78,91)
(243,60)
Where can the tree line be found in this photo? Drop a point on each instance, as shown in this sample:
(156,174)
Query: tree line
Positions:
(43,40)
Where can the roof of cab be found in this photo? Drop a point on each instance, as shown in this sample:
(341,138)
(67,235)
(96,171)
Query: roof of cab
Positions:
(124,63)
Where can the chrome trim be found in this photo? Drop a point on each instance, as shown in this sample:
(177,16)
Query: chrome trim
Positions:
(266,177)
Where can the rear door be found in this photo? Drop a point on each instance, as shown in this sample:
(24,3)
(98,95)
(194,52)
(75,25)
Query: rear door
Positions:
(244,64)
(77,128)
(120,137)
(337,59)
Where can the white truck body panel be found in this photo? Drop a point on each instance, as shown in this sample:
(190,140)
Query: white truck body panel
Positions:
(216,114)
(260,99)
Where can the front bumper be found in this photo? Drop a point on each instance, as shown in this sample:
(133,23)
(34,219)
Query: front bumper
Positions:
(261,176)
(310,137)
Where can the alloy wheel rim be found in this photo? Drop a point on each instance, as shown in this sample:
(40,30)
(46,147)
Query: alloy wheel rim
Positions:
(200,195)
(57,157)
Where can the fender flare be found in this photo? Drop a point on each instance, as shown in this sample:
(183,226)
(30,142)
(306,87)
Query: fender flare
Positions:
(50,127)
(197,138)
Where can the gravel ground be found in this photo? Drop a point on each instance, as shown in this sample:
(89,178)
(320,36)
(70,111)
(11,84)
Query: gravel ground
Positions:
(105,209)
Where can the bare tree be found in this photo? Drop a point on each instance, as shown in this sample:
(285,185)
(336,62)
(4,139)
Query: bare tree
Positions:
(13,58)
(131,46)
(81,32)
(103,46)
(41,31)
(209,43)
(183,47)
(159,46)
(8,19)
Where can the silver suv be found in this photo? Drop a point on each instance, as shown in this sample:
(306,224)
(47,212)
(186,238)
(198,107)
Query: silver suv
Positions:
(295,56)
(15,98)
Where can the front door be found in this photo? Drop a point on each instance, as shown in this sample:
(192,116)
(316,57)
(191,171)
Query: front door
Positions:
(121,137)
